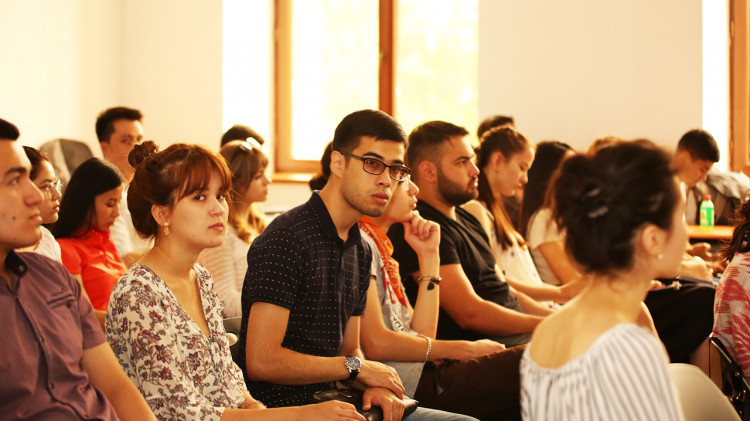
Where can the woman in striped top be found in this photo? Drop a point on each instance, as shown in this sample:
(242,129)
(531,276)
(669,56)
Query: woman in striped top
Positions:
(599,357)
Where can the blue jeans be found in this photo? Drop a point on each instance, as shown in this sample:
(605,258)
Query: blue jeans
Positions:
(434,414)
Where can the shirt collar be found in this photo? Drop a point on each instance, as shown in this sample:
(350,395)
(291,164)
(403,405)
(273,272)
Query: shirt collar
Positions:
(326,222)
(13,262)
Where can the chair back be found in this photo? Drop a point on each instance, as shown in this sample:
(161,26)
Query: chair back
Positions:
(699,397)
(733,383)
(232,326)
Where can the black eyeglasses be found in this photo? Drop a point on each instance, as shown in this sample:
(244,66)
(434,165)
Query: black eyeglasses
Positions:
(376,167)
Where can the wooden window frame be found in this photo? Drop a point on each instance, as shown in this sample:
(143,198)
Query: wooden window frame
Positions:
(288,168)
(739,85)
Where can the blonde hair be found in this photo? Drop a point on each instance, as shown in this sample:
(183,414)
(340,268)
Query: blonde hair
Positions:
(244,159)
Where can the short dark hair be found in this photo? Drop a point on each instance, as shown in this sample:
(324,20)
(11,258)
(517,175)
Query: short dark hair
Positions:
(8,130)
(493,121)
(700,145)
(90,179)
(36,157)
(105,123)
(373,123)
(240,132)
(425,141)
(164,177)
(601,201)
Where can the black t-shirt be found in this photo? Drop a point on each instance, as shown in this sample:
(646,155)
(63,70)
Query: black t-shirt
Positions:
(462,241)
(300,263)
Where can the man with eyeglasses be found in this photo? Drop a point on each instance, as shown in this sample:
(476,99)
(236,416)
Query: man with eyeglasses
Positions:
(308,274)
(56,362)
(119,129)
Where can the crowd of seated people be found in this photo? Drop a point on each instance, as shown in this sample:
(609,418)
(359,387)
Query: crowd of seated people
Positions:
(403,275)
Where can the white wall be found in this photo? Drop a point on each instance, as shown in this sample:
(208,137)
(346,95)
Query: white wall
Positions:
(572,71)
(171,68)
(582,69)
(60,66)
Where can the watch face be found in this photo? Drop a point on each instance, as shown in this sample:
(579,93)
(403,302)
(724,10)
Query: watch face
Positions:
(353,363)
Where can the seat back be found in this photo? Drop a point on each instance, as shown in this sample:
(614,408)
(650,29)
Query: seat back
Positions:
(733,383)
(699,397)
(66,155)
(232,326)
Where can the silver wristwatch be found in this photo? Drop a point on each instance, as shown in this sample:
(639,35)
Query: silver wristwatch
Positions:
(352,364)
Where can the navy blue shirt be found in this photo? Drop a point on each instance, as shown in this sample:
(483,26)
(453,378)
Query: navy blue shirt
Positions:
(300,263)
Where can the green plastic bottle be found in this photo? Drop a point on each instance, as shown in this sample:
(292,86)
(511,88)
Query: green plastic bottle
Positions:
(707,212)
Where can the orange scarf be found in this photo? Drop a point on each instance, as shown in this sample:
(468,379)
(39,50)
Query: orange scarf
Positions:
(390,265)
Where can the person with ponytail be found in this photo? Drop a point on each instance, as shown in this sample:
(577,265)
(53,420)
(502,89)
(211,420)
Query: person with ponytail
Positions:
(227,263)
(504,158)
(88,209)
(164,319)
(732,302)
(599,357)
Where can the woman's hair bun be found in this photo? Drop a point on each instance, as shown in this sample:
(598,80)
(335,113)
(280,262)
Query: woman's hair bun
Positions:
(141,152)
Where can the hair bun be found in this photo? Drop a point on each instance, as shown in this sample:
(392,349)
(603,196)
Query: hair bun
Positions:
(141,152)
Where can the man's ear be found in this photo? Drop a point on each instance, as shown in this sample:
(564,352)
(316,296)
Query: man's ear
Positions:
(428,171)
(105,149)
(338,163)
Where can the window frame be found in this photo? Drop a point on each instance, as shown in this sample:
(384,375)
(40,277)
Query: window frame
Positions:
(739,89)
(286,167)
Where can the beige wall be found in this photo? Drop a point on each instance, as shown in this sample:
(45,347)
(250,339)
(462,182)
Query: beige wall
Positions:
(572,71)
(581,69)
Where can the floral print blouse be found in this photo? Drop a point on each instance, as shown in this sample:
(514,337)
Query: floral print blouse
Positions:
(182,374)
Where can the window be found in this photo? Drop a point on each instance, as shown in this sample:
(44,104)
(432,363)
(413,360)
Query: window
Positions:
(336,57)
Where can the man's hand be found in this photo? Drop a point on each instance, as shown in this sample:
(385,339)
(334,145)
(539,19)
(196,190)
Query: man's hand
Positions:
(378,375)
(392,405)
(422,235)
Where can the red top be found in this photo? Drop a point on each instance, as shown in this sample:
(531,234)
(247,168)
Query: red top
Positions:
(93,256)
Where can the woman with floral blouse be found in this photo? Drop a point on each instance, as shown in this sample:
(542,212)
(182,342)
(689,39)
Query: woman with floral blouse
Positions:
(164,318)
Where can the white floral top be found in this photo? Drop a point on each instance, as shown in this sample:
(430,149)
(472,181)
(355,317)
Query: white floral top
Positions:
(182,374)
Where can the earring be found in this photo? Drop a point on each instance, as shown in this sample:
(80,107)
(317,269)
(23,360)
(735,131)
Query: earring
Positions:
(166,228)
(660,256)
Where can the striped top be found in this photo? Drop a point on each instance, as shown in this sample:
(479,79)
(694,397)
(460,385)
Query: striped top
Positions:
(622,376)
(732,310)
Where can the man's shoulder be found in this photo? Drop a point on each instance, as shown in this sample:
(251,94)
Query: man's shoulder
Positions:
(40,262)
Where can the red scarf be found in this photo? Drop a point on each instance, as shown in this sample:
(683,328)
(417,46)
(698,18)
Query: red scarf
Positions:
(390,265)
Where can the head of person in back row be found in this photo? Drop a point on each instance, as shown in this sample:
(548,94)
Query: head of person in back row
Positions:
(118,130)
(696,153)
(492,122)
(241,132)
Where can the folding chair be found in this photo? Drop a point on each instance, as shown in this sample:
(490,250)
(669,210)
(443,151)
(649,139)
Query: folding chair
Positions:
(733,383)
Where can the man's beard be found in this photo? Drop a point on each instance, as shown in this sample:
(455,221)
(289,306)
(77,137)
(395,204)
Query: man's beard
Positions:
(453,193)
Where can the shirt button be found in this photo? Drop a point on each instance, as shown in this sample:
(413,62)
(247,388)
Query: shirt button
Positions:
(22,268)
(41,338)
(51,386)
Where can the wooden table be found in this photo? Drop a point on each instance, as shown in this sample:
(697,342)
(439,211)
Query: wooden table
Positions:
(717,232)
